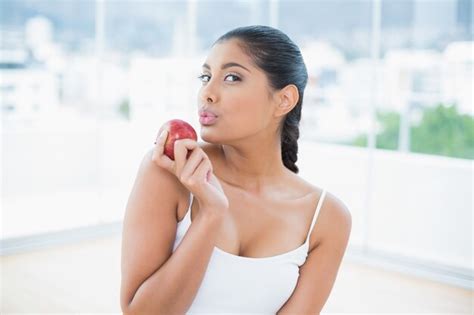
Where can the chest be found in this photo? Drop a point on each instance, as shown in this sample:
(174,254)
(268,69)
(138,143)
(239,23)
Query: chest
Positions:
(261,227)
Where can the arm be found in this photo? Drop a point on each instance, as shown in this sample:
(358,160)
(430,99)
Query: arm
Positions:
(155,280)
(318,274)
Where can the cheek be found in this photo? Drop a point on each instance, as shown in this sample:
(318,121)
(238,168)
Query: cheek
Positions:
(243,111)
(247,117)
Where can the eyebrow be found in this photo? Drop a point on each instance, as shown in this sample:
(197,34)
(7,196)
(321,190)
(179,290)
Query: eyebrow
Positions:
(226,65)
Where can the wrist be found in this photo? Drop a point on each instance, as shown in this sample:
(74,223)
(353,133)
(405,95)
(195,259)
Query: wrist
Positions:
(211,214)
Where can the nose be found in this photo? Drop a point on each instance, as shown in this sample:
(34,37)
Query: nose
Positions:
(208,93)
(208,97)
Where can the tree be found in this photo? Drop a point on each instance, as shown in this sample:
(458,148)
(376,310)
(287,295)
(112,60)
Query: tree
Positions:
(387,138)
(124,109)
(441,131)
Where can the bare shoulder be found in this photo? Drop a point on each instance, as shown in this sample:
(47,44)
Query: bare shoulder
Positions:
(334,220)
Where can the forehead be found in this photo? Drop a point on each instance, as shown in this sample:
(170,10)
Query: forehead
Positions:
(228,51)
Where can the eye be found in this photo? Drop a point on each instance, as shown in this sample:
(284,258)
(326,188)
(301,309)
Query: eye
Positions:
(202,76)
(233,75)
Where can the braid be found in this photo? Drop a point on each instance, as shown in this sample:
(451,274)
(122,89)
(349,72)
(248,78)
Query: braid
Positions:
(289,140)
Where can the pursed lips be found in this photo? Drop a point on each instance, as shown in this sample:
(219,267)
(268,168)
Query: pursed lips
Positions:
(206,113)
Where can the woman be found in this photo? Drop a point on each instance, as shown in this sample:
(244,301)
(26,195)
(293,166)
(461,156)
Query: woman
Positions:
(233,228)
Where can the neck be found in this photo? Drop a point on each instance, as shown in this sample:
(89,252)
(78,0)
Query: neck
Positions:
(253,165)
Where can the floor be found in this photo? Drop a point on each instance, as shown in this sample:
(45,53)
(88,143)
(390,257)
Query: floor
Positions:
(85,278)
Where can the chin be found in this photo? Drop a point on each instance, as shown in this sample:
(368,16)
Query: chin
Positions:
(209,136)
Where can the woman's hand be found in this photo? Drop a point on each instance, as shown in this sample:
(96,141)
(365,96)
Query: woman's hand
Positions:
(195,173)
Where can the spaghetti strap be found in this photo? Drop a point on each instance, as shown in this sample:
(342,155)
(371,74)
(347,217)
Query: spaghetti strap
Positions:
(316,214)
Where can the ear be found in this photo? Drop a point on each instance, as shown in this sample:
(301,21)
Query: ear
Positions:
(286,100)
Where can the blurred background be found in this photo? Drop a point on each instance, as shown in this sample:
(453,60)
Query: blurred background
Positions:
(387,126)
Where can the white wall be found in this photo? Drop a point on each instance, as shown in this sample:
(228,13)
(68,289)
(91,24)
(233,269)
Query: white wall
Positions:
(419,206)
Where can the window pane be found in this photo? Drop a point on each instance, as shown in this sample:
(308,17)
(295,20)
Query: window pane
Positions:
(50,165)
(422,201)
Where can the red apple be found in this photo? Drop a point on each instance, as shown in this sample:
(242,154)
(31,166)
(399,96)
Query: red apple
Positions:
(177,129)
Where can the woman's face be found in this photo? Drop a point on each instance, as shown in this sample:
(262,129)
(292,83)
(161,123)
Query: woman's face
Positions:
(237,95)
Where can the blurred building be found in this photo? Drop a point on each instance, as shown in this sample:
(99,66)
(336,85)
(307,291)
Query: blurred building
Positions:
(457,75)
(29,66)
(25,90)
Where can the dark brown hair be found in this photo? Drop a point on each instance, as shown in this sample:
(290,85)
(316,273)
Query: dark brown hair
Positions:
(280,58)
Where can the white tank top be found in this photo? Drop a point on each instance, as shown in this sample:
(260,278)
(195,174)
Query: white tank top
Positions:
(237,284)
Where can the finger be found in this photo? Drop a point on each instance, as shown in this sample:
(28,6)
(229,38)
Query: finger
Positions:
(181,148)
(158,155)
(192,163)
(160,144)
(202,172)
